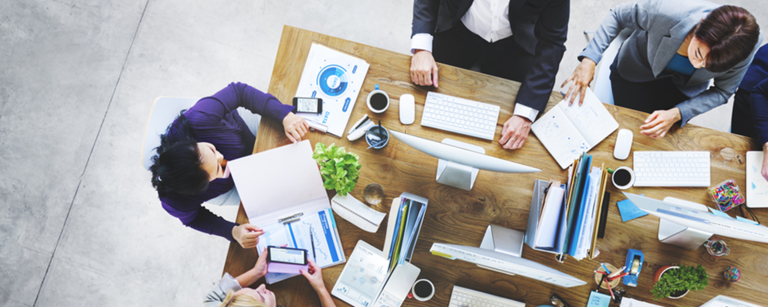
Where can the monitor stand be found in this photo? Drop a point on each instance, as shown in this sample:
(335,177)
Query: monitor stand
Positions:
(683,236)
(502,240)
(458,175)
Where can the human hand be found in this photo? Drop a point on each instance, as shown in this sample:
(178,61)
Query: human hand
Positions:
(581,78)
(515,132)
(764,171)
(423,68)
(260,268)
(247,235)
(314,275)
(295,127)
(658,123)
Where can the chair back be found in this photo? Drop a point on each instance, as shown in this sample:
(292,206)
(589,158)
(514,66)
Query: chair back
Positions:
(602,86)
(164,111)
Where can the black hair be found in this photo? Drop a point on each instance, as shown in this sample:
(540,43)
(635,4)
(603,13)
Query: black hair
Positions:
(176,166)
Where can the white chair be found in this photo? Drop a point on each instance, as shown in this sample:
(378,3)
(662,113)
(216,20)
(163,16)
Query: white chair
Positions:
(602,84)
(164,111)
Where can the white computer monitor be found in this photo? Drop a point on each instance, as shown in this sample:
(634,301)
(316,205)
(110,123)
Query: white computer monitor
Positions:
(461,161)
(701,219)
(504,263)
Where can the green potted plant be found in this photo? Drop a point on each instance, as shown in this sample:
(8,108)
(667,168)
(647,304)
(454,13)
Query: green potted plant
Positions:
(340,169)
(675,282)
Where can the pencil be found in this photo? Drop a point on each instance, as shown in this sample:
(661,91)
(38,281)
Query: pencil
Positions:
(312,239)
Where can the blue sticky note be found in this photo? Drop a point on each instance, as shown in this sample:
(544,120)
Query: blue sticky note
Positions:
(629,211)
(719,213)
(741,219)
(597,299)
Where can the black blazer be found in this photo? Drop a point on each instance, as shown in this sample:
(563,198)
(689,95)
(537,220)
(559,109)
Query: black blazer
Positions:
(539,26)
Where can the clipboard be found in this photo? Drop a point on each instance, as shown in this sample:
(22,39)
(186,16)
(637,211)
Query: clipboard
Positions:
(593,252)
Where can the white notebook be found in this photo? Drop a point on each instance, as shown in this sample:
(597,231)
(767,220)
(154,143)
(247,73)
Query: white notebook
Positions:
(757,186)
(567,131)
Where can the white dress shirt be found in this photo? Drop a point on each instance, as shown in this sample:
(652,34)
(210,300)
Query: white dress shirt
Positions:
(489,19)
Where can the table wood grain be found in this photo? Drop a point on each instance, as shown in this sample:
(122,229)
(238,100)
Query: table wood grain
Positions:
(461,217)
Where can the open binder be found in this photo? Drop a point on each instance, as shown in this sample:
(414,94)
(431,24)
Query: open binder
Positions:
(564,218)
(282,193)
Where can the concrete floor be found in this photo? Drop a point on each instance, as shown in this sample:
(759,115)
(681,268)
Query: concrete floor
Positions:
(80,224)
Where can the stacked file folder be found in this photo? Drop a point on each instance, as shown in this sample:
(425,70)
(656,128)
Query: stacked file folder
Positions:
(564,218)
(405,219)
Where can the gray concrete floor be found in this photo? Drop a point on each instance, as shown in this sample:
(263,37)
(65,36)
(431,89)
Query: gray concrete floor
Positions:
(80,224)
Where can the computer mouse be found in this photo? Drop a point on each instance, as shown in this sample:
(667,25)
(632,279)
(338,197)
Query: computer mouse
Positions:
(623,144)
(407,109)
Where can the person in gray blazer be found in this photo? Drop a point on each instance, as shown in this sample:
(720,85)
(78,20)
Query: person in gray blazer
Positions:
(675,49)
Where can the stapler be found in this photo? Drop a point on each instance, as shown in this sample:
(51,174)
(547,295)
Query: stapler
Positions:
(634,264)
(358,129)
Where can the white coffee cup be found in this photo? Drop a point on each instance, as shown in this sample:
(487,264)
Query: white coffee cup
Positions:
(421,283)
(378,100)
(625,177)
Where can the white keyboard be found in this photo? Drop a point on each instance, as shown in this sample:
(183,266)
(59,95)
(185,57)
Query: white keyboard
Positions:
(463,297)
(671,168)
(459,115)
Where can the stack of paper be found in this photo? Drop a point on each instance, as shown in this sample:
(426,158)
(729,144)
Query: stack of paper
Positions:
(405,218)
(365,281)
(546,217)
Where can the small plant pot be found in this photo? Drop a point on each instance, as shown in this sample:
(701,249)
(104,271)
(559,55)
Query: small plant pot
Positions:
(660,272)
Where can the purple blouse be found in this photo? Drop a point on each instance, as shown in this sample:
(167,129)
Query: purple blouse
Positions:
(215,121)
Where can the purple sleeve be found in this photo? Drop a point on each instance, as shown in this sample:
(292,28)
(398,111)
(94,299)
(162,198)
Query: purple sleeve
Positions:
(193,214)
(242,95)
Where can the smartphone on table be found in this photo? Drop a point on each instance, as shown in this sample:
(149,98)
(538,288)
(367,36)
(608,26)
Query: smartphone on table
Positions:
(308,105)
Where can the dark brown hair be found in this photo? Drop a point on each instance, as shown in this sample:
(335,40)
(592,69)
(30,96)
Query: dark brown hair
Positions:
(731,34)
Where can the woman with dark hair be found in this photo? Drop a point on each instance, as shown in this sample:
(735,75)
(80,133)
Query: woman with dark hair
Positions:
(190,166)
(665,66)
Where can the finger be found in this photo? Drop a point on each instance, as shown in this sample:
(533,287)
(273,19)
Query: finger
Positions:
(518,144)
(505,136)
(414,77)
(426,79)
(652,116)
(288,134)
(434,74)
(510,143)
(566,81)
(583,93)
(251,227)
(569,93)
(654,123)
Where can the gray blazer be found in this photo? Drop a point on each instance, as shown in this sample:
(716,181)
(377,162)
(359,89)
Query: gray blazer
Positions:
(659,28)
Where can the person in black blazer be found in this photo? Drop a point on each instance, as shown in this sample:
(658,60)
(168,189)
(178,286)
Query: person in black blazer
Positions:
(522,40)
(750,105)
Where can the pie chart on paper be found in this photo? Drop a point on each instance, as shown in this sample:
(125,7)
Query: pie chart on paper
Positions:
(332,80)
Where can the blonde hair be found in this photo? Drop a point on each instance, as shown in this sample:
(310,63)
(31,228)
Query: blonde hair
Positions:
(240,300)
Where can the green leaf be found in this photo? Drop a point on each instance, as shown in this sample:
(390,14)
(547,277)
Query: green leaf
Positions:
(339,169)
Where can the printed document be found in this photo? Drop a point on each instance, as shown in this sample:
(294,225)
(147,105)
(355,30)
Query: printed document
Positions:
(567,131)
(337,78)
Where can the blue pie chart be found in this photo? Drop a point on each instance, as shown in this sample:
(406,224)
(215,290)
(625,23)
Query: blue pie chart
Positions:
(333,80)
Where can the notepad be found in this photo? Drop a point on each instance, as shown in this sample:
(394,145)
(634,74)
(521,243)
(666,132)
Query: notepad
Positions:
(567,131)
(757,186)
(597,299)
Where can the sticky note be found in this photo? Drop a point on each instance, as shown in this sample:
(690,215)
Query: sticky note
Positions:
(629,211)
(597,299)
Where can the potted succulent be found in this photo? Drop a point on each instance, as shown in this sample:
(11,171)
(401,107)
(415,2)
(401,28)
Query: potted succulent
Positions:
(675,282)
(340,169)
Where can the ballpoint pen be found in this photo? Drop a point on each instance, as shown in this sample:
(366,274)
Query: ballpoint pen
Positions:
(312,240)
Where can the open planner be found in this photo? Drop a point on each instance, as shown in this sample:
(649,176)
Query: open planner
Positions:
(567,131)
(283,194)
(564,218)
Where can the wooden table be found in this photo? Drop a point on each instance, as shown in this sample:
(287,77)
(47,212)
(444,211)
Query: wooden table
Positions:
(461,217)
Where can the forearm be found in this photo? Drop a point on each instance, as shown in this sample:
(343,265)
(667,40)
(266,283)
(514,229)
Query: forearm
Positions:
(424,16)
(703,102)
(325,297)
(212,224)
(248,278)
